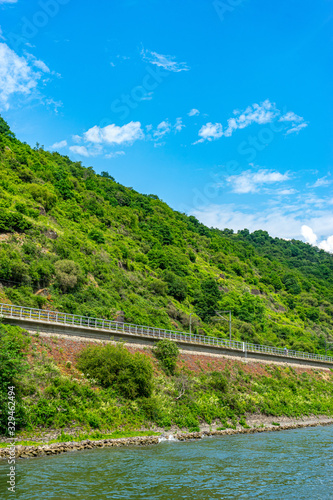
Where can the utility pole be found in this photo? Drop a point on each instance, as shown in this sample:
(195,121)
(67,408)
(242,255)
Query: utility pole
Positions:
(190,323)
(219,313)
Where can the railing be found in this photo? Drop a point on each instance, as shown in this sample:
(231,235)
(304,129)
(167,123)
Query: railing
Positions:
(12,311)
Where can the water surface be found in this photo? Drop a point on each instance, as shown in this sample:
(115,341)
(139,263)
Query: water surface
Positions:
(280,465)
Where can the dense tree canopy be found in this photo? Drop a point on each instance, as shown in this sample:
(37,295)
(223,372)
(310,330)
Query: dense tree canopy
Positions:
(76,241)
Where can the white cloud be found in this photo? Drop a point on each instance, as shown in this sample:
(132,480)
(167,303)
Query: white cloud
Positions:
(80,150)
(59,145)
(41,65)
(194,112)
(296,128)
(285,192)
(263,113)
(162,129)
(147,97)
(310,237)
(112,134)
(250,182)
(1,34)
(76,138)
(87,152)
(281,221)
(322,181)
(210,131)
(290,117)
(115,154)
(166,62)
(16,76)
(178,126)
(7,1)
(327,245)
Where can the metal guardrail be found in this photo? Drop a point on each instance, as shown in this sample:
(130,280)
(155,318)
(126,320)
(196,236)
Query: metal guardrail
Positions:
(13,311)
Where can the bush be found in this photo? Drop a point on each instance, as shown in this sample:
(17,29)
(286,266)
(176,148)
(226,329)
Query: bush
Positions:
(115,367)
(13,221)
(97,235)
(12,363)
(177,287)
(167,353)
(68,274)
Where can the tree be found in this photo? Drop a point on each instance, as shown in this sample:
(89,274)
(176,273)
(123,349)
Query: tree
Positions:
(167,353)
(207,301)
(68,274)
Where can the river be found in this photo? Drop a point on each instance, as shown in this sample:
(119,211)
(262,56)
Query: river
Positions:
(279,465)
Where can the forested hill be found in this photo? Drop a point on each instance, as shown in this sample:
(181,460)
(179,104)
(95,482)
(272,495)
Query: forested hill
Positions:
(75,241)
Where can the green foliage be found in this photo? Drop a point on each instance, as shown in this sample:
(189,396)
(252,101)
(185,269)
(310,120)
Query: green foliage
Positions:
(115,367)
(167,353)
(120,392)
(13,221)
(96,235)
(177,287)
(68,274)
(207,301)
(43,195)
(98,248)
(12,363)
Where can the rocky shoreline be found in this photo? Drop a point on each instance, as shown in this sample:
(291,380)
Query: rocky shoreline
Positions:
(57,448)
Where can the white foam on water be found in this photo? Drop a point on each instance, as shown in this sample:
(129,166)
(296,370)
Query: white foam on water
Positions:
(167,438)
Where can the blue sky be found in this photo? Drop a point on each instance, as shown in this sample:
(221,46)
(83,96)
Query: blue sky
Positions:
(222,108)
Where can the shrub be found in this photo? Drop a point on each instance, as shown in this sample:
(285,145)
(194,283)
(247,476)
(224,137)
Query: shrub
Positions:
(177,287)
(115,367)
(68,274)
(13,221)
(42,195)
(12,363)
(167,353)
(96,235)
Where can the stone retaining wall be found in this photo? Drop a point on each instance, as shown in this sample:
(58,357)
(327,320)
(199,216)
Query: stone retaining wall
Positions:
(57,448)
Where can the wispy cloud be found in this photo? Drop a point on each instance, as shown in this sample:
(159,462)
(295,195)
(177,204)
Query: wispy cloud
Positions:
(7,1)
(80,150)
(162,129)
(113,134)
(322,182)
(296,128)
(283,221)
(167,62)
(59,145)
(115,154)
(16,76)
(263,113)
(194,112)
(87,152)
(251,182)
(178,126)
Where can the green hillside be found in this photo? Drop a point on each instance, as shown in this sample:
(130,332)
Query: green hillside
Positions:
(75,241)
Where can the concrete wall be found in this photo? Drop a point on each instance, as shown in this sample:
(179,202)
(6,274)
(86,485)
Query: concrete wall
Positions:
(91,333)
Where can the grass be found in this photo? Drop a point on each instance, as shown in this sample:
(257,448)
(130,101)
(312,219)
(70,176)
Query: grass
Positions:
(82,436)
